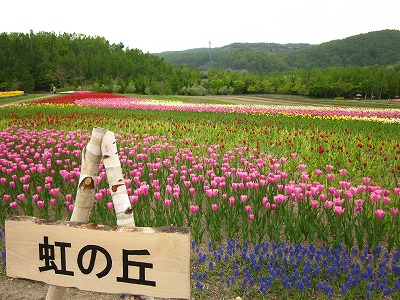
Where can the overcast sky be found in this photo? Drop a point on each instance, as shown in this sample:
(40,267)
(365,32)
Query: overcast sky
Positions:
(162,25)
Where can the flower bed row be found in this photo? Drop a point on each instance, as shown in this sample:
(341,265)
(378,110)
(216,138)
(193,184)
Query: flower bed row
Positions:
(387,115)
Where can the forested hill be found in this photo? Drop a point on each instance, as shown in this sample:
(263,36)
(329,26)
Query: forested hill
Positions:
(369,49)
(373,48)
(38,61)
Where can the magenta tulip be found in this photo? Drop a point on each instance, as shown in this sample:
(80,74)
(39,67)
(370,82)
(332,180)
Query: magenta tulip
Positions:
(380,213)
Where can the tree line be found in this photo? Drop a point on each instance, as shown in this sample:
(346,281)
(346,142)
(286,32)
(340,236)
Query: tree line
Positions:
(39,61)
(372,82)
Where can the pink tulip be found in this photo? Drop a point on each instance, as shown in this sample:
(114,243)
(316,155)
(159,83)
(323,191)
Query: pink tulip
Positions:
(53,202)
(338,210)
(314,191)
(214,207)
(157,195)
(168,189)
(6,198)
(243,198)
(328,204)
(386,200)
(380,213)
(167,202)
(133,199)
(342,172)
(330,176)
(248,208)
(359,202)
(302,167)
(40,204)
(21,197)
(71,207)
(314,204)
(394,211)
(353,190)
(338,201)
(279,198)
(305,176)
(329,168)
(322,197)
(366,180)
(289,189)
(194,208)
(231,200)
(348,194)
(35,197)
(251,217)
(12,184)
(14,204)
(110,205)
(361,188)
(375,196)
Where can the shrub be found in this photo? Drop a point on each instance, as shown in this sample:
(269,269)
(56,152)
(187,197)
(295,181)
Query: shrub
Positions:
(131,88)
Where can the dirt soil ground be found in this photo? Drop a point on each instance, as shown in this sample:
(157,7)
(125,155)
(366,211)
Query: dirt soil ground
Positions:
(22,289)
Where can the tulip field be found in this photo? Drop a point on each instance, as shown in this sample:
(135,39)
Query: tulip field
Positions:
(282,202)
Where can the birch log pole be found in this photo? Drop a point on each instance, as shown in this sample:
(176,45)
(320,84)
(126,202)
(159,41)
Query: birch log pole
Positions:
(116,182)
(84,201)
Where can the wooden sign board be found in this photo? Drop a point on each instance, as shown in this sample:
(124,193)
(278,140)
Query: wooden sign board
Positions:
(130,260)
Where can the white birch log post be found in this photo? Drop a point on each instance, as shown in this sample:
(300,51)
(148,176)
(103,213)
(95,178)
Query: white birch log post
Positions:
(116,182)
(84,201)
(115,178)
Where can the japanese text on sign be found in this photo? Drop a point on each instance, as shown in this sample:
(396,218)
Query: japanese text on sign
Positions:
(47,253)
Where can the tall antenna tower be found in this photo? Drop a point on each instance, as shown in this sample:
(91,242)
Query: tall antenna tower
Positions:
(209,59)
